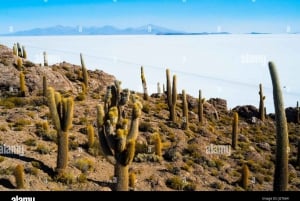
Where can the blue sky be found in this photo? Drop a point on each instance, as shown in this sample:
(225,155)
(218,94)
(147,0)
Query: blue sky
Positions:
(236,16)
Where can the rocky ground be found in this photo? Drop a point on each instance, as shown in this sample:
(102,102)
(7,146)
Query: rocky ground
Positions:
(186,164)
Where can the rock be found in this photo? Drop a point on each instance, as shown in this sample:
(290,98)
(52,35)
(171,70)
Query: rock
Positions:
(265,146)
(192,102)
(291,115)
(242,138)
(254,155)
(172,154)
(218,103)
(247,111)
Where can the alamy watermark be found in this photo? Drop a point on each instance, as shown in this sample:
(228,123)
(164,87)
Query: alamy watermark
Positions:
(17,198)
(11,149)
(254,59)
(213,149)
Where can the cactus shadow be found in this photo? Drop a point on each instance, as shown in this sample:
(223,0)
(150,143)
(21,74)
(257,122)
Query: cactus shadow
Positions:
(103,183)
(6,183)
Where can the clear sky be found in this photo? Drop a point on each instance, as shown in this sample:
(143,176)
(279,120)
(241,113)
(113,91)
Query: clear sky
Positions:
(236,16)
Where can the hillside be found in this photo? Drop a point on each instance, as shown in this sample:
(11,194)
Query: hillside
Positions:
(190,158)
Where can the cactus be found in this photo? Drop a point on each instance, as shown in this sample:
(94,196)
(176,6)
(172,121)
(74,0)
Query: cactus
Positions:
(157,144)
(22,84)
(91,136)
(171,95)
(45,59)
(132,181)
(19,176)
(298,113)
(185,111)
(158,89)
(201,102)
(245,177)
(84,72)
(143,78)
(61,110)
(235,123)
(15,50)
(45,87)
(24,52)
(117,143)
(20,53)
(164,88)
(282,140)
(261,103)
(19,63)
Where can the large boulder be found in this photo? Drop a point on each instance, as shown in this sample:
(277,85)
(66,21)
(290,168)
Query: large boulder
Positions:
(218,103)
(247,111)
(291,114)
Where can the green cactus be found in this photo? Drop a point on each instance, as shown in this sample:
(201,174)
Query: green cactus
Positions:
(185,111)
(22,84)
(117,143)
(20,53)
(45,87)
(132,181)
(157,144)
(164,88)
(201,102)
(45,59)
(19,176)
(143,78)
(19,63)
(261,103)
(245,177)
(282,140)
(91,135)
(61,110)
(24,52)
(235,124)
(84,72)
(15,50)
(171,95)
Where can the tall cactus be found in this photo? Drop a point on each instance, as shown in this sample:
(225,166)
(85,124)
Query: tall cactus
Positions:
(235,123)
(201,102)
(45,87)
(22,84)
(282,140)
(157,144)
(61,110)
(24,52)
(171,95)
(245,177)
(19,176)
(261,103)
(20,53)
(185,111)
(84,72)
(15,50)
(158,89)
(19,63)
(117,143)
(91,135)
(145,89)
(45,59)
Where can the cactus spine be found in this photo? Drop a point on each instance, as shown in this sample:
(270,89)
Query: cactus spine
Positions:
(19,176)
(185,111)
(22,84)
(261,103)
(45,87)
(245,176)
(61,110)
(200,107)
(282,140)
(235,123)
(117,142)
(143,78)
(45,58)
(84,72)
(91,135)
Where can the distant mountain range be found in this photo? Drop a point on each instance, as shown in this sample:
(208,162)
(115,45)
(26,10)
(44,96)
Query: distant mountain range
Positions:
(105,30)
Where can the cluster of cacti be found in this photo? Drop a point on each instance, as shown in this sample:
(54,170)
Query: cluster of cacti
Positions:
(84,74)
(22,84)
(235,124)
(171,95)
(144,83)
(61,110)
(185,111)
(245,176)
(261,103)
(45,59)
(201,102)
(19,176)
(45,87)
(157,144)
(282,140)
(19,51)
(117,142)
(91,135)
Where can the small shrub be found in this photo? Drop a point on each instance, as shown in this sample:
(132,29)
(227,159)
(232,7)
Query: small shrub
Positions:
(30,142)
(84,165)
(42,149)
(145,127)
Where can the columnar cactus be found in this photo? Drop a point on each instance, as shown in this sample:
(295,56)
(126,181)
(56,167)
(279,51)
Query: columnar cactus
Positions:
(143,78)
(245,177)
(235,123)
(19,63)
(201,102)
(45,59)
(19,176)
(24,52)
(61,110)
(132,181)
(157,144)
(15,50)
(117,141)
(158,89)
(84,72)
(171,95)
(91,135)
(185,111)
(22,84)
(261,103)
(45,87)
(282,140)
(20,53)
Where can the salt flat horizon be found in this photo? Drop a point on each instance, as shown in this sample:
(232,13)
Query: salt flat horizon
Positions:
(230,67)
